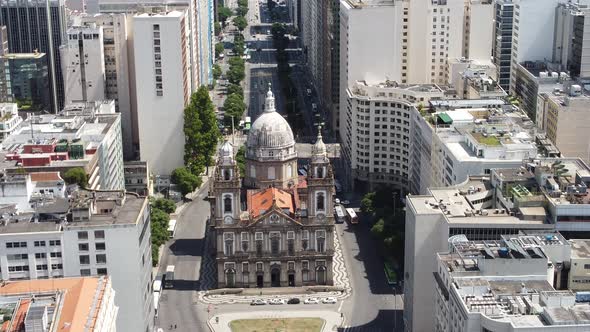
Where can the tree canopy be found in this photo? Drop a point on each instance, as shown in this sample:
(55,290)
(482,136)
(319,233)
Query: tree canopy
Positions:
(240,22)
(77,176)
(234,107)
(219,49)
(223,13)
(235,88)
(164,204)
(216,71)
(201,133)
(186,181)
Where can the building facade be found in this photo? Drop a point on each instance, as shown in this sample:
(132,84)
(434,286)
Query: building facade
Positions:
(285,234)
(163,87)
(95,240)
(28,79)
(29,31)
(502,50)
(83,64)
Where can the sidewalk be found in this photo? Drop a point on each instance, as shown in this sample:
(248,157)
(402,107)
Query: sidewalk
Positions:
(332,319)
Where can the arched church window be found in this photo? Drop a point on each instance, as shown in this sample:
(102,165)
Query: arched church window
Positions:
(226,175)
(227,204)
(320,172)
(320,201)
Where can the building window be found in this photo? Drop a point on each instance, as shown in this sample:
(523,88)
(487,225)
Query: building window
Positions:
(99,234)
(245,267)
(39,243)
(228,240)
(271,173)
(101,271)
(259,267)
(41,267)
(100,246)
(17,257)
(57,266)
(55,242)
(291,266)
(55,255)
(101,259)
(227,204)
(83,246)
(40,255)
(16,244)
(320,172)
(258,239)
(84,272)
(321,241)
(82,235)
(305,240)
(245,242)
(226,175)
(275,243)
(84,259)
(320,202)
(252,171)
(586,266)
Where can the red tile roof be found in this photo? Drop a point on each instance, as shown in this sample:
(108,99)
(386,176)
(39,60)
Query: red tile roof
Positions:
(260,202)
(45,176)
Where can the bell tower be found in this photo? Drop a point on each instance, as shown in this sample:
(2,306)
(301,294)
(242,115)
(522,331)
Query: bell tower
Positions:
(320,182)
(225,188)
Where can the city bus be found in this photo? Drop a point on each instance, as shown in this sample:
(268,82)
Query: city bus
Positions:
(352,217)
(171,228)
(339,214)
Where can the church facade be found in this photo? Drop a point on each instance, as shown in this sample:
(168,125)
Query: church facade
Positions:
(274,228)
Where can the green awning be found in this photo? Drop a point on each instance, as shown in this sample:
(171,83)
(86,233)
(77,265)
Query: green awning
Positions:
(445,118)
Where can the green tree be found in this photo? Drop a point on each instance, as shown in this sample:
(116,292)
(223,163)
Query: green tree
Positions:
(219,49)
(240,22)
(186,181)
(241,160)
(223,13)
(159,230)
(242,11)
(77,176)
(166,205)
(201,133)
(236,75)
(367,203)
(217,28)
(243,3)
(235,89)
(236,62)
(216,71)
(238,47)
(233,107)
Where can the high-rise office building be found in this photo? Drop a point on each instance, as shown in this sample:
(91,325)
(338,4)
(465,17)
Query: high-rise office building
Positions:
(82,63)
(502,50)
(29,31)
(28,79)
(162,87)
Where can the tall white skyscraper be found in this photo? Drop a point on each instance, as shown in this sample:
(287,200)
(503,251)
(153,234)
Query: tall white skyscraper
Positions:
(162,87)
(83,64)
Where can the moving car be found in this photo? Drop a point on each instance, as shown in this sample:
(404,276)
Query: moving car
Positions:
(329,300)
(311,300)
(277,301)
(294,300)
(258,302)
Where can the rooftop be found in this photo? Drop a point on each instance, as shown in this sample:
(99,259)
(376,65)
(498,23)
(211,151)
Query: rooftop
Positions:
(261,201)
(580,248)
(77,300)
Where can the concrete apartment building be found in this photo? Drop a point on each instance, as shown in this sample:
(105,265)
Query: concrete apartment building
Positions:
(377,130)
(163,87)
(9,119)
(95,240)
(464,210)
(563,115)
(459,138)
(81,304)
(86,135)
(117,78)
(138,178)
(506,285)
(579,273)
(533,21)
(502,49)
(83,64)
(572,37)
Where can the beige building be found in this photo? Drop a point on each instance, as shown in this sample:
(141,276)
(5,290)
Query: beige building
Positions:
(564,117)
(579,274)
(278,228)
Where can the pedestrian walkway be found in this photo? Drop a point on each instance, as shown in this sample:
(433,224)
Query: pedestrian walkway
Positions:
(220,323)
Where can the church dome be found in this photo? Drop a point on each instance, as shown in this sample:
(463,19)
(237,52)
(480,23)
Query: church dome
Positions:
(270,131)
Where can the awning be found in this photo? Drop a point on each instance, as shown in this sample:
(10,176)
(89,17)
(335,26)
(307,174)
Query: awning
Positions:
(445,118)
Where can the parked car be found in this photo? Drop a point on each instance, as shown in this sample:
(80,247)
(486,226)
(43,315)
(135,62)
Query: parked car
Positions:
(311,300)
(258,302)
(276,301)
(329,300)
(308,92)
(294,300)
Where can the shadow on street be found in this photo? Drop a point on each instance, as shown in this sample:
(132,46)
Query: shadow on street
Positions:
(385,321)
(370,258)
(187,247)
(186,285)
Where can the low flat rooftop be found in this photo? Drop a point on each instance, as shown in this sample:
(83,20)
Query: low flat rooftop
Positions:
(580,248)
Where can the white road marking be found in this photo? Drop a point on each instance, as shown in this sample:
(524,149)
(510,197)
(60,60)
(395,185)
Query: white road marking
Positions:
(340,307)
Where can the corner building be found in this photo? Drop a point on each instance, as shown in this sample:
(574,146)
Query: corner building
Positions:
(277,228)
